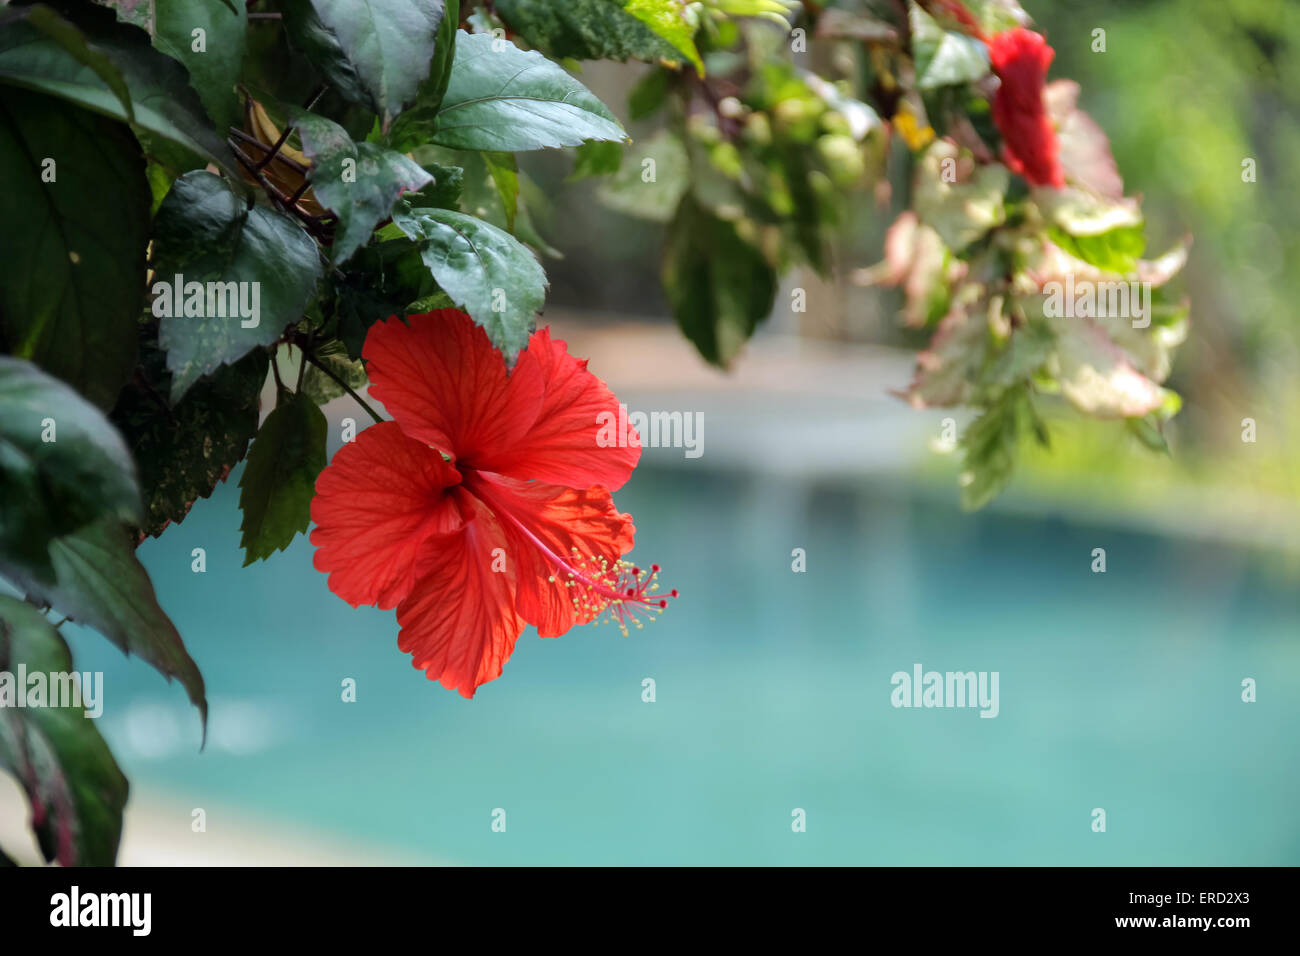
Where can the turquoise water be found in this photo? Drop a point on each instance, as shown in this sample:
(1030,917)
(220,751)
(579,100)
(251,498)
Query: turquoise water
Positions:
(1119,690)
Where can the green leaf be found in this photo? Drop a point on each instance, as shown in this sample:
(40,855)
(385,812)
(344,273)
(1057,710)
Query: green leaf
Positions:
(160,182)
(1149,431)
(485,270)
(649,190)
(385,278)
(141,13)
(503,99)
(671,21)
(319,387)
(1117,250)
(444,189)
(444,57)
(184,452)
(944,58)
(488,183)
(216,68)
(359,182)
(649,94)
(100,583)
(504,173)
(998,15)
(1030,347)
(416,123)
(719,285)
(161,100)
(73,41)
(279,480)
(204,233)
(533,197)
(74,282)
(376,53)
(75,788)
(62,466)
(1081,213)
(648,30)
(597,159)
(990,444)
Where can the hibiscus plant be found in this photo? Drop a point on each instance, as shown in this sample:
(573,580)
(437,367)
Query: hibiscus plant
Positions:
(201,195)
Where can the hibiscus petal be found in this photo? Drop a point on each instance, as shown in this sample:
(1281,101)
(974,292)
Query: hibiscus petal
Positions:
(576,439)
(376,504)
(459,624)
(549,524)
(440,378)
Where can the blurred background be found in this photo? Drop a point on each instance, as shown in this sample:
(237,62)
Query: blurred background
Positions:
(1120,691)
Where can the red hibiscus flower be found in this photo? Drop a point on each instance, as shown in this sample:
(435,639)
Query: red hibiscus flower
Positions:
(1020,58)
(486,504)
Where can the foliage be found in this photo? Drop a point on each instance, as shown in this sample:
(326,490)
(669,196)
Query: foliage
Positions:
(200,188)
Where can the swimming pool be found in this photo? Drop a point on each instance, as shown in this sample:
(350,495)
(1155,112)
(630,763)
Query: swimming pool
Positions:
(1119,691)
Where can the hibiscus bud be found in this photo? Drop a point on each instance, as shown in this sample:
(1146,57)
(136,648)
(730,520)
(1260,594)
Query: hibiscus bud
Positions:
(1020,58)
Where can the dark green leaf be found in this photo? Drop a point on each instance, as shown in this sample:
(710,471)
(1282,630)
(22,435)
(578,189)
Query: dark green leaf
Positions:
(503,99)
(75,788)
(74,282)
(141,12)
(444,57)
(279,480)
(376,53)
(66,35)
(62,466)
(184,452)
(162,102)
(485,270)
(204,233)
(384,279)
(215,69)
(445,189)
(359,182)
(719,285)
(100,583)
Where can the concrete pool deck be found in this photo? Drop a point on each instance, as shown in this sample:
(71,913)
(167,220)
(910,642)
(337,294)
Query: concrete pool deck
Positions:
(157,832)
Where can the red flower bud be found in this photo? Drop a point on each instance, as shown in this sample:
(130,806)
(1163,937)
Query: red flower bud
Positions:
(1020,58)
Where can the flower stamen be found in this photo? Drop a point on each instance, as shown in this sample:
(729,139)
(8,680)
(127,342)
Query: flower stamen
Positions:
(628,594)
